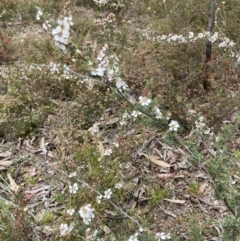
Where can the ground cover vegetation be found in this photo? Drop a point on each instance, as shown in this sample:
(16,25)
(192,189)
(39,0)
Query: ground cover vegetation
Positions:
(116,121)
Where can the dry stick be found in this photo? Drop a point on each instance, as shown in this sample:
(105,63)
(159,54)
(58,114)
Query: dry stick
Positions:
(205,82)
(209,29)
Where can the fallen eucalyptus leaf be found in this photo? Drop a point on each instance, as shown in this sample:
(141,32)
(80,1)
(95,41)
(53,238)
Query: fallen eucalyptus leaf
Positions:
(156,160)
(13,185)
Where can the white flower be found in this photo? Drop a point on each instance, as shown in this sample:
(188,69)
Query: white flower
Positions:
(231,43)
(64,229)
(99,199)
(207,131)
(123,122)
(46,25)
(101,55)
(94,129)
(107,194)
(110,74)
(144,101)
(163,236)
(108,152)
(73,189)
(200,35)
(125,116)
(118,185)
(214,37)
(222,44)
(39,13)
(173,125)
(68,20)
(136,113)
(116,144)
(86,212)
(133,237)
(70,211)
(73,174)
(65,69)
(62,32)
(190,35)
(53,67)
(158,113)
(120,84)
(99,71)
(200,124)
(56,30)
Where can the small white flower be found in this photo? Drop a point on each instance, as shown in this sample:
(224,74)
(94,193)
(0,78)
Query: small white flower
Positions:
(108,152)
(99,71)
(116,144)
(125,116)
(70,211)
(73,189)
(214,37)
(133,237)
(173,125)
(46,25)
(207,131)
(163,236)
(99,199)
(144,101)
(73,174)
(200,124)
(120,84)
(191,35)
(56,30)
(140,229)
(123,122)
(94,129)
(39,13)
(136,113)
(158,113)
(65,69)
(86,212)
(53,67)
(118,185)
(64,229)
(107,194)
(201,35)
